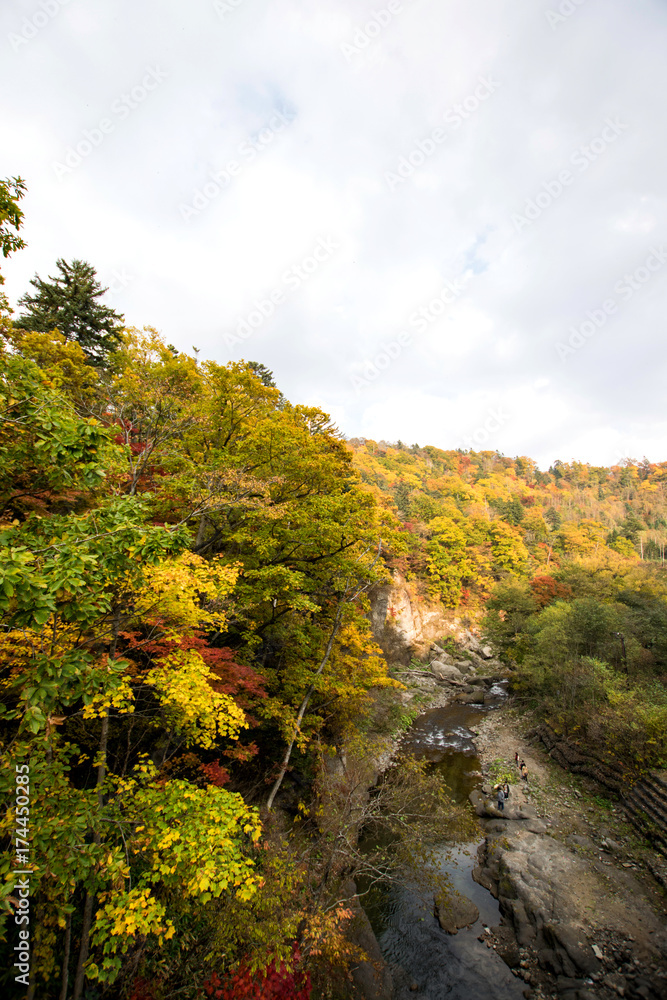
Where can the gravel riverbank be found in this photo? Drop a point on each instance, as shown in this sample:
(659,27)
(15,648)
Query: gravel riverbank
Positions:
(583,918)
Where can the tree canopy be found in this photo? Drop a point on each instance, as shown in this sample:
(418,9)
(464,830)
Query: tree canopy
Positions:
(69,303)
(12,190)
(189,674)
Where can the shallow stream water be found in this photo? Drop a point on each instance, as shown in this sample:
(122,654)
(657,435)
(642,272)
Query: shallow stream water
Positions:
(427,963)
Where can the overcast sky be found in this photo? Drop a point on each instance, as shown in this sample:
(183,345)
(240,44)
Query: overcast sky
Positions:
(442,221)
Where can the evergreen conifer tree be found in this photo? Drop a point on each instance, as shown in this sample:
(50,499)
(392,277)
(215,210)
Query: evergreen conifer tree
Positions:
(70,303)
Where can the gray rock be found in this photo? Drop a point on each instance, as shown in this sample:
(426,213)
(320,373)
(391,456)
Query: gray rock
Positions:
(472,643)
(564,983)
(577,840)
(570,943)
(455,911)
(548,960)
(486,652)
(445,672)
(475,697)
(615,981)
(506,946)
(477,802)
(440,656)
(496,826)
(523,928)
(535,826)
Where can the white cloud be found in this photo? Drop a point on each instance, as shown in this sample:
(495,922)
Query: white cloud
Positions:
(325,174)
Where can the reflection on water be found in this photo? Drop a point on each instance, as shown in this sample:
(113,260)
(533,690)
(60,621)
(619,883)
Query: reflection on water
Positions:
(421,955)
(426,962)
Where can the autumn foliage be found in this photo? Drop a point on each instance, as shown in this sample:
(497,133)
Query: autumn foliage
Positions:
(186,559)
(277,981)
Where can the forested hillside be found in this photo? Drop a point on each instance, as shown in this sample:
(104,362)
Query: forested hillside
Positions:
(473,516)
(192,695)
(566,568)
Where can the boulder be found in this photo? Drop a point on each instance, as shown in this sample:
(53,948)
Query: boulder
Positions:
(571,946)
(455,911)
(576,840)
(476,661)
(523,928)
(439,655)
(444,671)
(484,679)
(471,642)
(477,802)
(486,807)
(486,652)
(535,826)
(615,981)
(475,697)
(507,946)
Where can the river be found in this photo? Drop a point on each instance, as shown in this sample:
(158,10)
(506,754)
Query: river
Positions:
(426,962)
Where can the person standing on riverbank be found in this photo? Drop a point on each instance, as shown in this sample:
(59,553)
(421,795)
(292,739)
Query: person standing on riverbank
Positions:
(501,798)
(524,771)
(516,759)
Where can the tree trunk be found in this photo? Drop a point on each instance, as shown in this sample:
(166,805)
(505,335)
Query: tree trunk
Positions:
(303,707)
(67,946)
(85,941)
(90,896)
(99,782)
(201,532)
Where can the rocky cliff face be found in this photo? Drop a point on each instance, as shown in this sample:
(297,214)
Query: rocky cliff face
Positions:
(405,624)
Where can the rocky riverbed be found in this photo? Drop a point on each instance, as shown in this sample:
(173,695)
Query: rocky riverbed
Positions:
(582,915)
(582,904)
